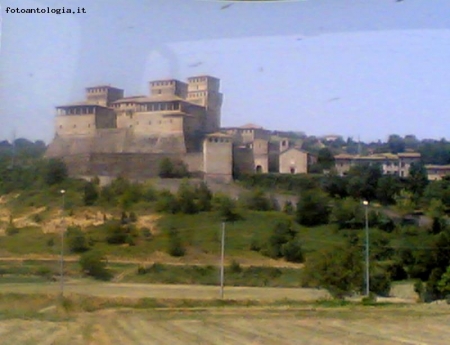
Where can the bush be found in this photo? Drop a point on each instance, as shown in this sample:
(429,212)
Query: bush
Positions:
(166,203)
(37,218)
(11,230)
(55,171)
(235,267)
(115,233)
(146,233)
(256,200)
(175,247)
(172,168)
(90,195)
(292,251)
(186,198)
(282,233)
(227,208)
(76,240)
(94,264)
(313,208)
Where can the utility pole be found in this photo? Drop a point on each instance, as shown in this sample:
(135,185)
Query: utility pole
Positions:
(63,193)
(366,205)
(222,256)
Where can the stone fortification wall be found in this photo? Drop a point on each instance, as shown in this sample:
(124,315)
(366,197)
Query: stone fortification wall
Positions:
(116,141)
(243,160)
(129,165)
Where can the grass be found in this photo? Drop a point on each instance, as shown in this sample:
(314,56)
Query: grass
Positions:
(208,275)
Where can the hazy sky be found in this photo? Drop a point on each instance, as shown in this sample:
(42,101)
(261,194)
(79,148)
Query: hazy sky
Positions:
(364,68)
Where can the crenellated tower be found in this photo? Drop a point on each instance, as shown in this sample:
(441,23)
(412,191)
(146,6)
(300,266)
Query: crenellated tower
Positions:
(204,91)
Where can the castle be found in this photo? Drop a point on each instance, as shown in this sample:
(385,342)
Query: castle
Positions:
(111,135)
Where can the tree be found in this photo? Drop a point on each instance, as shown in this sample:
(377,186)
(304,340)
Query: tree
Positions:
(348,214)
(55,171)
(388,187)
(337,269)
(396,143)
(94,264)
(417,179)
(90,195)
(335,186)
(444,283)
(313,208)
(363,181)
(325,158)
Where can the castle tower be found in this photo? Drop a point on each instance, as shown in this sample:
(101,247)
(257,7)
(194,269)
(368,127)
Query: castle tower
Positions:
(204,91)
(218,157)
(103,95)
(170,87)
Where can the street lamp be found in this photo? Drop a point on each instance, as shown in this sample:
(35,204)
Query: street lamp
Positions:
(366,206)
(63,193)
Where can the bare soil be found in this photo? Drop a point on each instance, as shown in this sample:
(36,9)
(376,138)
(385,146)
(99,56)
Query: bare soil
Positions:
(390,325)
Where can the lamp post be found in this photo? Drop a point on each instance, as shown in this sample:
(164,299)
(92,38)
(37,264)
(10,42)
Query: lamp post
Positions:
(366,206)
(63,193)
(222,255)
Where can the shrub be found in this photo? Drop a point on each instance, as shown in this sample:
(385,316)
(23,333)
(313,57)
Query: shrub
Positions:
(146,233)
(11,230)
(90,195)
(292,251)
(166,203)
(171,168)
(235,267)
(281,234)
(115,233)
(76,240)
(37,218)
(94,264)
(227,208)
(313,208)
(55,171)
(256,200)
(175,246)
(185,198)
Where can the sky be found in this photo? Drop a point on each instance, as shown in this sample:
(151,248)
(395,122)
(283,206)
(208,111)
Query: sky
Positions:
(359,68)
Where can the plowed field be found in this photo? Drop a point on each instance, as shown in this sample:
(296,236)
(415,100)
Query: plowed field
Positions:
(351,325)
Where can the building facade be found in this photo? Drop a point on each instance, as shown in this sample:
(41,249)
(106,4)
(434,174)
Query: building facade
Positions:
(390,164)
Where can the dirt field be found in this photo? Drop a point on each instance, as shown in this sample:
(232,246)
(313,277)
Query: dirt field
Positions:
(412,325)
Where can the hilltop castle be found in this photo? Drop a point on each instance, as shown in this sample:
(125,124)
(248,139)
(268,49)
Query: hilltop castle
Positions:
(111,135)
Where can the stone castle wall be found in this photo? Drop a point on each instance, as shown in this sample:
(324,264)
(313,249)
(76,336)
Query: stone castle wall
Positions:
(128,165)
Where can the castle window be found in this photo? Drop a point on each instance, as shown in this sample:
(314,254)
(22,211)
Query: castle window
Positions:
(131,126)
(210,140)
(89,126)
(149,122)
(137,123)
(159,121)
(74,126)
(215,140)
(60,126)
